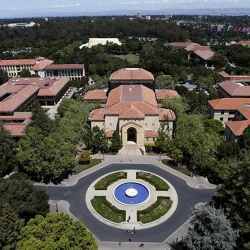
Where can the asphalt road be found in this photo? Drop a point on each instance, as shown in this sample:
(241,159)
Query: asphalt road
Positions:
(75,195)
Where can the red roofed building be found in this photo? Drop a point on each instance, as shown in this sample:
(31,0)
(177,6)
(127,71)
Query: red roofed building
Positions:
(233,89)
(18,94)
(44,68)
(132,109)
(225,109)
(71,71)
(96,95)
(15,66)
(204,53)
(235,129)
(17,123)
(235,78)
(131,76)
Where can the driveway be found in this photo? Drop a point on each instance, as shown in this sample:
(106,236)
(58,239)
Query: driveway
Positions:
(75,196)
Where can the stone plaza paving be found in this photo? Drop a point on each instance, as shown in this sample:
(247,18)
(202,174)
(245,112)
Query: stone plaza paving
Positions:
(70,196)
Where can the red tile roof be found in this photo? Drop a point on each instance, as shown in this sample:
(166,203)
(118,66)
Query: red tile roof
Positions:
(132,102)
(203,52)
(130,74)
(52,87)
(17,62)
(235,89)
(96,95)
(64,66)
(233,78)
(238,127)
(162,94)
(228,103)
(150,134)
(97,115)
(181,45)
(41,64)
(19,90)
(15,129)
(16,98)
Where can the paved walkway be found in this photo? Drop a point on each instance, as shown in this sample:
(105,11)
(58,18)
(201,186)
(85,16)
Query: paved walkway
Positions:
(190,192)
(196,182)
(132,221)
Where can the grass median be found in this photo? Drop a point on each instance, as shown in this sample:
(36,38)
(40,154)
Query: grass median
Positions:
(154,180)
(108,180)
(107,210)
(156,211)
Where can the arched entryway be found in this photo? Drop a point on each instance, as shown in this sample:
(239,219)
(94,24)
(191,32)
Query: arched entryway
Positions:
(132,135)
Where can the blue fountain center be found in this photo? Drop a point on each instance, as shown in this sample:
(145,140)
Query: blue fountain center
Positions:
(131,193)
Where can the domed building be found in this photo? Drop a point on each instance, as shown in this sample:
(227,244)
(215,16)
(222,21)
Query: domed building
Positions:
(132,107)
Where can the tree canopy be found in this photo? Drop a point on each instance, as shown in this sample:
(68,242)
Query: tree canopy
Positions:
(210,230)
(7,152)
(55,231)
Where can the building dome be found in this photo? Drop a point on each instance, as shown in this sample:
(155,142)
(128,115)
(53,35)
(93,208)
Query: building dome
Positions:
(132,74)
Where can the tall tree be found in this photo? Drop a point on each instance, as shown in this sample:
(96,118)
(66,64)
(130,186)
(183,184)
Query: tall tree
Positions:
(234,197)
(26,200)
(210,230)
(7,152)
(116,143)
(56,231)
(10,226)
(40,119)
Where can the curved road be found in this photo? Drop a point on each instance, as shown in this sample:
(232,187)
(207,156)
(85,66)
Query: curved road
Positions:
(75,196)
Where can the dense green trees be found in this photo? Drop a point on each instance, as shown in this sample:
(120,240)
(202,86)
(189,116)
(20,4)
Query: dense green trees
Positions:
(95,139)
(19,201)
(10,226)
(26,200)
(7,152)
(51,155)
(210,230)
(55,231)
(234,197)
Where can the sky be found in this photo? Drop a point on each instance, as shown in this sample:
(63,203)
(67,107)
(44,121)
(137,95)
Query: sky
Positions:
(22,7)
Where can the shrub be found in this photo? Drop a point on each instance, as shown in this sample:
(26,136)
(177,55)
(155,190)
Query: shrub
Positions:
(84,157)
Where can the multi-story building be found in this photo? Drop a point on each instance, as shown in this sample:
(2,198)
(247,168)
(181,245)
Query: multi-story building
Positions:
(225,109)
(18,94)
(15,66)
(72,71)
(132,108)
(43,67)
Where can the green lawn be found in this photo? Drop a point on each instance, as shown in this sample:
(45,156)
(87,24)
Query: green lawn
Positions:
(81,167)
(106,181)
(130,58)
(155,181)
(107,210)
(156,211)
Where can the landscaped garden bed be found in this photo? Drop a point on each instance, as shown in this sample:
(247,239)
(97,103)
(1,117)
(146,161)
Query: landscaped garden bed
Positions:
(108,180)
(156,211)
(154,180)
(107,210)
